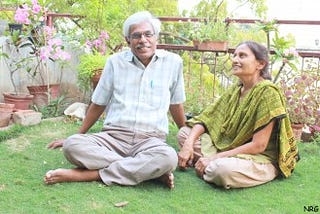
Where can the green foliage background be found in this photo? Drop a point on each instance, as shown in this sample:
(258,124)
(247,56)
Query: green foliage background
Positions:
(108,15)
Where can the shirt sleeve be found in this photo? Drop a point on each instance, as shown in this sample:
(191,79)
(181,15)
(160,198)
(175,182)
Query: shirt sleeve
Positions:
(103,92)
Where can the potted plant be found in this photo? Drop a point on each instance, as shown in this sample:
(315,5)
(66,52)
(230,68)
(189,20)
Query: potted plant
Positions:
(12,56)
(284,53)
(90,69)
(210,35)
(93,61)
(267,26)
(43,46)
(302,92)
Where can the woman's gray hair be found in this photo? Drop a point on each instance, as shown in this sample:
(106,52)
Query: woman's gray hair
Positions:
(143,16)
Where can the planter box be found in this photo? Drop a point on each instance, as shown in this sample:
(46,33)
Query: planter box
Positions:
(211,45)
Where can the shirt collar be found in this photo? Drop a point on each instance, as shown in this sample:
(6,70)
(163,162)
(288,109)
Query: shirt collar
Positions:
(129,56)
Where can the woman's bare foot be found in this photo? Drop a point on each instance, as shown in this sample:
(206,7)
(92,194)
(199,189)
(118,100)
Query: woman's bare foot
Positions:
(168,179)
(70,175)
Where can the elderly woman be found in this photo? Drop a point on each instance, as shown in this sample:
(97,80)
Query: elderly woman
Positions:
(244,139)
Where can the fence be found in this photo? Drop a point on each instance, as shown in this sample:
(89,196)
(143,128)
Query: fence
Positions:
(204,70)
(218,63)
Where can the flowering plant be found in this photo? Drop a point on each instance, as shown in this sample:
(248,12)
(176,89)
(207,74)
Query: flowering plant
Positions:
(98,45)
(267,25)
(94,59)
(303,97)
(285,53)
(42,40)
(289,54)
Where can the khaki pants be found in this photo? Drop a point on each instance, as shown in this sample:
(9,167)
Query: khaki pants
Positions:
(231,172)
(122,156)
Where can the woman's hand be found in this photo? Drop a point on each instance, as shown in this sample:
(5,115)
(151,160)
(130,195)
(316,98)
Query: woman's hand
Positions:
(185,156)
(201,165)
(55,144)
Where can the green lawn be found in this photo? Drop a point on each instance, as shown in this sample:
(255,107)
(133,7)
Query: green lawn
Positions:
(24,160)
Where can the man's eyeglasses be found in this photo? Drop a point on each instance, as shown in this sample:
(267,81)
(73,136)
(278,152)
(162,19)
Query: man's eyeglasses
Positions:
(139,35)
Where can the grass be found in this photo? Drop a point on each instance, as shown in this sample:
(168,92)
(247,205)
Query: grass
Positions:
(24,160)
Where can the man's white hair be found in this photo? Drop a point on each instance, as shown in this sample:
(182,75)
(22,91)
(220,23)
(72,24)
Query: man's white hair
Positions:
(143,16)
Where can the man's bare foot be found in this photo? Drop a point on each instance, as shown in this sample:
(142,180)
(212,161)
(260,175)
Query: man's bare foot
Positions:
(168,179)
(70,175)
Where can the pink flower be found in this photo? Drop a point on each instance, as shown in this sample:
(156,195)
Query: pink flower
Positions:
(45,53)
(22,15)
(49,31)
(289,54)
(55,42)
(36,8)
(314,128)
(64,55)
(297,80)
(104,35)
(98,45)
(288,93)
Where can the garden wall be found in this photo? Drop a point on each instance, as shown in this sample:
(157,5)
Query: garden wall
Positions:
(67,76)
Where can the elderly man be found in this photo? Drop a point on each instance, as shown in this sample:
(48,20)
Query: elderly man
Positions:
(138,86)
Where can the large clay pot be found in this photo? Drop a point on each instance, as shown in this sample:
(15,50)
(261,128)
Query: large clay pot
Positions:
(297,130)
(6,110)
(20,101)
(40,93)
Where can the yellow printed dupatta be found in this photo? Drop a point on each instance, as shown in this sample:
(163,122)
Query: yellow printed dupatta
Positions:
(231,123)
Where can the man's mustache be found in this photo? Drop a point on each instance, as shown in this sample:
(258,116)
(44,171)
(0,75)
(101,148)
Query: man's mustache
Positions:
(139,46)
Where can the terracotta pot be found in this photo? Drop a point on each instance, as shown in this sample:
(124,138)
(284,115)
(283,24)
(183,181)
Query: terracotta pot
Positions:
(297,130)
(211,45)
(306,137)
(40,93)
(21,101)
(6,110)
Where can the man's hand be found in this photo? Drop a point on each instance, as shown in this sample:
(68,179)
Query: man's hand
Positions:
(55,144)
(185,156)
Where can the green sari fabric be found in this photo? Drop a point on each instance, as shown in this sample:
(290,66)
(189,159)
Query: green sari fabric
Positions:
(231,122)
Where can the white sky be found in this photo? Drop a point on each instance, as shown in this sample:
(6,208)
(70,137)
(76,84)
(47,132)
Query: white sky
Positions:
(284,10)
